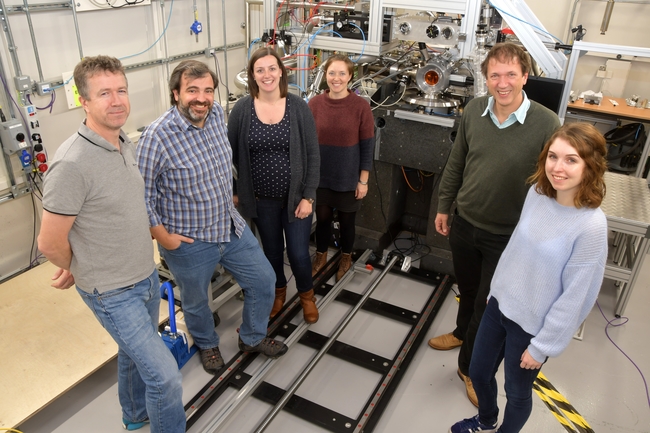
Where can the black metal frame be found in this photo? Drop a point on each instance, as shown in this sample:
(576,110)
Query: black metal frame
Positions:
(392,370)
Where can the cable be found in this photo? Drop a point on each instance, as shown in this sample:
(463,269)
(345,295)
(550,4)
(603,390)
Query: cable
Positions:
(275,22)
(381,104)
(409,183)
(35,185)
(126,3)
(62,85)
(623,320)
(4,83)
(221,82)
(385,68)
(31,249)
(171,7)
(50,105)
(311,68)
(311,38)
(302,91)
(381,201)
(526,22)
(251,46)
(363,36)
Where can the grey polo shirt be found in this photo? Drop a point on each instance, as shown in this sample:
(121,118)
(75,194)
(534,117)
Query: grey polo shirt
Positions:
(91,179)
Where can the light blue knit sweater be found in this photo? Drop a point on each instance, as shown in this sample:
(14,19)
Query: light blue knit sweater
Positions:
(549,275)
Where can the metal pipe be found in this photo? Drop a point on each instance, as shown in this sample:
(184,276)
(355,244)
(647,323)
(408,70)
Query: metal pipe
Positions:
(207,12)
(294,387)
(41,7)
(31,32)
(8,165)
(608,14)
(234,402)
(10,39)
(165,44)
(225,55)
(315,85)
(76,29)
(573,13)
(248,20)
(319,6)
(249,38)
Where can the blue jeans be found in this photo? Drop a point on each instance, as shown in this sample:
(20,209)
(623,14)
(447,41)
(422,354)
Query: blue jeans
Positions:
(148,381)
(475,253)
(193,265)
(274,226)
(500,339)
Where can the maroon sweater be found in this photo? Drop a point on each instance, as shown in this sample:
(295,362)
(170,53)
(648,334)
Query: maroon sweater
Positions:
(346,135)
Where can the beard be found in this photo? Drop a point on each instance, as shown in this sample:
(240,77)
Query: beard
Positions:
(186,110)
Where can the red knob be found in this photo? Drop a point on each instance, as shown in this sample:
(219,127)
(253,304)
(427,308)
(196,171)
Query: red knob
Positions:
(40,157)
(42,168)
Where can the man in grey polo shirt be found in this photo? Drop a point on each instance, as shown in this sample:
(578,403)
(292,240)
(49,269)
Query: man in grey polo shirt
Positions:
(96,230)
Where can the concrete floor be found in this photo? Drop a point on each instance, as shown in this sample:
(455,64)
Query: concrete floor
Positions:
(597,379)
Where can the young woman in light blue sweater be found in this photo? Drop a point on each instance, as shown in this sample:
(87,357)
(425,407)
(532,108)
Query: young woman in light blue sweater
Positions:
(547,279)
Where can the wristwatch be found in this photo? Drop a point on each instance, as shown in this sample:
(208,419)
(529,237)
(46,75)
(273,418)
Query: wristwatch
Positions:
(310,200)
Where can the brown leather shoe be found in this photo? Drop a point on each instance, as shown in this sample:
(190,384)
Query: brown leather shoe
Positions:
(308,303)
(344,265)
(445,342)
(471,394)
(319,261)
(280,296)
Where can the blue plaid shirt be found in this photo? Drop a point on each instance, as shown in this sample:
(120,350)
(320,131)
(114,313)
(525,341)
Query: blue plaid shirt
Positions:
(187,173)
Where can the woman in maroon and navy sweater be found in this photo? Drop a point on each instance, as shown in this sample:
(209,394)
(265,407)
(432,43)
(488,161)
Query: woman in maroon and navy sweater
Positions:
(346,136)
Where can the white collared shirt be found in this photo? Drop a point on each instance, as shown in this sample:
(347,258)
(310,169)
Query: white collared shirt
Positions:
(518,115)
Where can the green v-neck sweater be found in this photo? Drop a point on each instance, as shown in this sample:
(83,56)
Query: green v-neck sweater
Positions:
(487,168)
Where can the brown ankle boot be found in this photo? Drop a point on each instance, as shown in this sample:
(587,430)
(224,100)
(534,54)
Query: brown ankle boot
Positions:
(280,296)
(319,261)
(308,302)
(344,265)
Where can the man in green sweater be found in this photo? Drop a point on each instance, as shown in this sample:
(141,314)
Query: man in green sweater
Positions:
(496,149)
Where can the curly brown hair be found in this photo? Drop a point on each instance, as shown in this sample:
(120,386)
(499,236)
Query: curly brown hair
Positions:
(592,148)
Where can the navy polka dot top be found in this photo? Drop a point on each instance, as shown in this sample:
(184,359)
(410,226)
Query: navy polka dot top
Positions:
(269,147)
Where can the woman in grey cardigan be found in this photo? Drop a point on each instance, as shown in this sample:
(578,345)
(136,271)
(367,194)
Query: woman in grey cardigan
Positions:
(275,151)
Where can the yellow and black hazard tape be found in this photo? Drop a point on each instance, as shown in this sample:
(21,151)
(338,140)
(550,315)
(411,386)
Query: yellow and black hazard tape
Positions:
(565,413)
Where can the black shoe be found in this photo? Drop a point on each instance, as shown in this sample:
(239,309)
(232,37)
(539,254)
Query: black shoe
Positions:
(212,360)
(268,346)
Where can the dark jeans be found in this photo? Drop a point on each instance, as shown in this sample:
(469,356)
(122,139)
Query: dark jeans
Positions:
(274,227)
(193,265)
(500,339)
(475,254)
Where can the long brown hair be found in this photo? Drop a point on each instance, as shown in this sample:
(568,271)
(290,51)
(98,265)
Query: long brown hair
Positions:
(253,88)
(592,148)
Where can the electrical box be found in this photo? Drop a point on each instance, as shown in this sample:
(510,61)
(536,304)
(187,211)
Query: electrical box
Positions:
(23,83)
(13,136)
(94,5)
(43,89)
